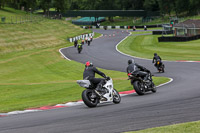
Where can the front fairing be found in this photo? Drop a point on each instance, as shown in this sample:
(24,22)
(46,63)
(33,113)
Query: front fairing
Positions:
(109,87)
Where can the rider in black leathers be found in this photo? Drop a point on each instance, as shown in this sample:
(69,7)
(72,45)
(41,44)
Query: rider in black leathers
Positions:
(89,74)
(135,68)
(155,59)
(75,43)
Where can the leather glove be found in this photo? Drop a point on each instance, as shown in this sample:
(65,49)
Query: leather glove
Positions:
(107,78)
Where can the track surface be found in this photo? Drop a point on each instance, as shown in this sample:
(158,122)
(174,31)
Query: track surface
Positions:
(176,102)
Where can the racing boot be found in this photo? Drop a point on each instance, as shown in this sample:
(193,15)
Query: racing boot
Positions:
(100,91)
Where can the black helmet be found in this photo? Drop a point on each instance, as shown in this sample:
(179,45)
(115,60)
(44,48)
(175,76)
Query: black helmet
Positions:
(155,54)
(129,62)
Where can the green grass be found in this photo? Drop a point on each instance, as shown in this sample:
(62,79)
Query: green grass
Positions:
(43,34)
(146,45)
(6,11)
(190,127)
(140,32)
(41,10)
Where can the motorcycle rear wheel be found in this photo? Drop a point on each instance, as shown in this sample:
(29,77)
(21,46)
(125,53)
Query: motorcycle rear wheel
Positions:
(138,88)
(90,102)
(116,97)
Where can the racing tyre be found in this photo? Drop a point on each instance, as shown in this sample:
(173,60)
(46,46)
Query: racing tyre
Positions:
(154,89)
(116,97)
(138,87)
(79,51)
(90,102)
(163,68)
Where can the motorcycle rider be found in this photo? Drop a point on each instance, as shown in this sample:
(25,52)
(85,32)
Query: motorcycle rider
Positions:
(75,43)
(88,41)
(79,46)
(91,38)
(82,42)
(135,68)
(155,59)
(89,74)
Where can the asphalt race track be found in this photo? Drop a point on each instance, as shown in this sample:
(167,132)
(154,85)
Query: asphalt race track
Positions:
(173,103)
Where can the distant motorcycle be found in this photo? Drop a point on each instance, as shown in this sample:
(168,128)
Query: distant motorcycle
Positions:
(75,43)
(160,66)
(141,86)
(88,43)
(79,48)
(91,97)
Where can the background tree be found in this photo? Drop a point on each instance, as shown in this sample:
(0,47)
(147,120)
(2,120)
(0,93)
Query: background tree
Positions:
(29,5)
(2,3)
(165,6)
(45,5)
(151,5)
(194,7)
(181,6)
(60,5)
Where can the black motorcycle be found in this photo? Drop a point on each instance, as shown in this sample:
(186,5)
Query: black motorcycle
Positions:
(141,86)
(160,66)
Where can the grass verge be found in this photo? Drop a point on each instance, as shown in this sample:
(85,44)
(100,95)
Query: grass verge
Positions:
(190,127)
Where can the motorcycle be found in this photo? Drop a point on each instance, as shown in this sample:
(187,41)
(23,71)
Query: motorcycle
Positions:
(160,66)
(91,97)
(79,48)
(141,86)
(88,43)
(75,43)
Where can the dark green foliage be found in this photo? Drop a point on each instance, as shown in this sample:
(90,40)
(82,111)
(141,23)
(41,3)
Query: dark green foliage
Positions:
(178,7)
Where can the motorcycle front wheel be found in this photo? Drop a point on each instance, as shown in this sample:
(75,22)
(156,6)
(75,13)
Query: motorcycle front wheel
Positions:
(154,89)
(116,97)
(90,102)
(138,87)
(163,68)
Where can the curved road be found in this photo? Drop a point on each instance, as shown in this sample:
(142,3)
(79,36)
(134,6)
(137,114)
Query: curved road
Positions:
(176,102)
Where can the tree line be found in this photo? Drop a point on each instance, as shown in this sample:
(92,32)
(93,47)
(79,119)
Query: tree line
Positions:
(178,7)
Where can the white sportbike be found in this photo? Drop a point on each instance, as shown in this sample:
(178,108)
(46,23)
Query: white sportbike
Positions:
(91,97)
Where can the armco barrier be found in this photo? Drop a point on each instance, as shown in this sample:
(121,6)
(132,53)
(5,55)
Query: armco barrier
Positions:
(162,32)
(178,39)
(80,37)
(123,27)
